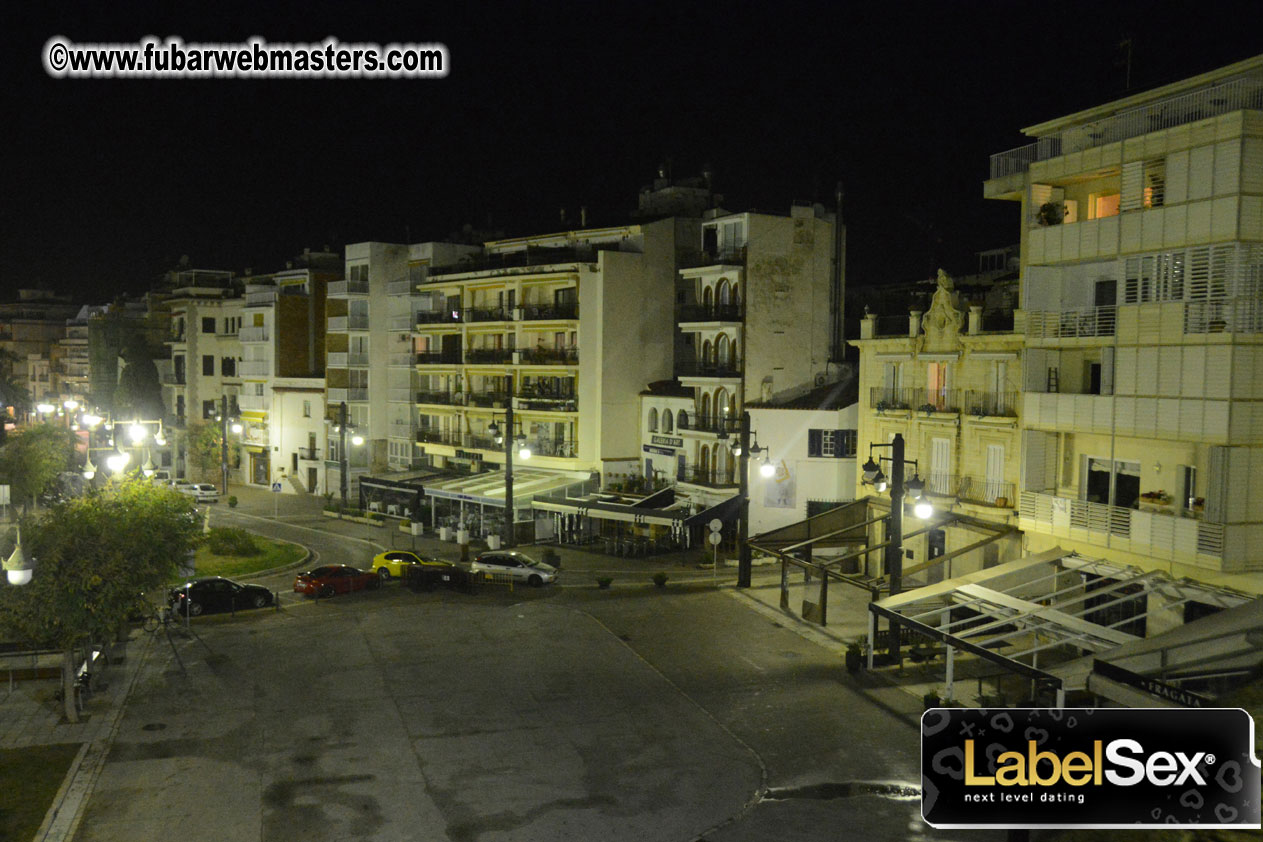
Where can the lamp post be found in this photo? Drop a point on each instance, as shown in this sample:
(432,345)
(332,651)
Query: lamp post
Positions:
(343,464)
(16,567)
(510,442)
(743,450)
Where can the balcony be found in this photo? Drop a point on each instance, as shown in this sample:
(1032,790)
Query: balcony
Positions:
(260,299)
(1158,535)
(554,449)
(530,256)
(348,395)
(883,398)
(988,492)
(439,358)
(715,424)
(438,398)
(173,380)
(254,334)
(712,313)
(983,404)
(452,439)
(1071,324)
(439,317)
(942,485)
(254,368)
(487,314)
(489,355)
(344,323)
(344,289)
(309,454)
(535,313)
(254,403)
(735,256)
(343,359)
(549,356)
(706,476)
(695,368)
(936,400)
(495,400)
(1234,315)
(546,404)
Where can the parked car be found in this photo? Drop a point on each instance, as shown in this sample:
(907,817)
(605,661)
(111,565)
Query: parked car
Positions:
(518,565)
(396,563)
(435,574)
(334,579)
(202,492)
(215,593)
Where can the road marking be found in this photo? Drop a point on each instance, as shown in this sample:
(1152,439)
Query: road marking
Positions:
(752,663)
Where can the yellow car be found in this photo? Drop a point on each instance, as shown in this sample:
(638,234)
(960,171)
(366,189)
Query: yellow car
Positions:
(395,563)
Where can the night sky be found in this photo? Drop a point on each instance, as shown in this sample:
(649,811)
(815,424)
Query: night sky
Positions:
(107,183)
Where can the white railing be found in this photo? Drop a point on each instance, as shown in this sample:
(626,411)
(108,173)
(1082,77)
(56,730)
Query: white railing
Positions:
(344,323)
(340,395)
(260,299)
(341,289)
(258,403)
(1234,315)
(344,359)
(1061,324)
(253,334)
(1162,536)
(254,368)
(1245,91)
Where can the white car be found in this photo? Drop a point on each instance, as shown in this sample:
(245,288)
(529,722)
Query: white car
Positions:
(518,565)
(203,492)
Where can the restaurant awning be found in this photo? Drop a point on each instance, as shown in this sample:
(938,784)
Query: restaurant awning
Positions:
(488,488)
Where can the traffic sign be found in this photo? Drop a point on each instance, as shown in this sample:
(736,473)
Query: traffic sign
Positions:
(276,486)
(715,525)
(716,538)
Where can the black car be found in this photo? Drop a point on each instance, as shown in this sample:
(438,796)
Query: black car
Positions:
(206,596)
(435,573)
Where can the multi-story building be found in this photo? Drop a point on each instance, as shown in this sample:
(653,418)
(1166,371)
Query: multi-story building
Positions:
(282,374)
(1142,317)
(70,356)
(30,327)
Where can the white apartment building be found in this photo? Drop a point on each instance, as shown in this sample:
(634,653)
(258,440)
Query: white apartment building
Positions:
(1142,315)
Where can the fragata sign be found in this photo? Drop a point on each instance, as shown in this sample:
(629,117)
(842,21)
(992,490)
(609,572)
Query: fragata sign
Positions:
(1089,767)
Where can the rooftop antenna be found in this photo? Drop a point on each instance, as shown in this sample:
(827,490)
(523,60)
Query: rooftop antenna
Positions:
(1124,59)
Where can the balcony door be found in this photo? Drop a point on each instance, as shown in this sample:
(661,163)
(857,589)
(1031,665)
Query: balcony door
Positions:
(941,466)
(1115,483)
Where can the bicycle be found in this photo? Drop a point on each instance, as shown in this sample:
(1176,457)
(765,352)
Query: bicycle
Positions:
(161,617)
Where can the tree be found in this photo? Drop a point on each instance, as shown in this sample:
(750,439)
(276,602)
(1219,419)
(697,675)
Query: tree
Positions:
(94,557)
(31,460)
(203,448)
(12,392)
(139,393)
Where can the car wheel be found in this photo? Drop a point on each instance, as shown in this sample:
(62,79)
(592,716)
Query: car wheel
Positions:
(259,600)
(383,574)
(326,591)
(195,609)
(534,581)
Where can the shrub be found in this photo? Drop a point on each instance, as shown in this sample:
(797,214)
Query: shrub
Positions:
(232,501)
(603,582)
(224,541)
(660,579)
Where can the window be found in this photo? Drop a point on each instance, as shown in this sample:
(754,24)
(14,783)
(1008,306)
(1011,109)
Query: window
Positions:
(682,420)
(666,421)
(208,324)
(1155,179)
(208,365)
(831,444)
(306,409)
(653,419)
(208,409)
(358,272)
(228,367)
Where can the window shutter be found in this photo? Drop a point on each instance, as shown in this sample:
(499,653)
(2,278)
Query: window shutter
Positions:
(815,439)
(1133,186)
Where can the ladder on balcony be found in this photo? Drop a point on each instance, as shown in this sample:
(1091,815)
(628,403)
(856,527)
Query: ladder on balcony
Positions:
(1053,385)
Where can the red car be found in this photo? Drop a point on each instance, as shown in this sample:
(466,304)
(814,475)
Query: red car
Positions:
(333,579)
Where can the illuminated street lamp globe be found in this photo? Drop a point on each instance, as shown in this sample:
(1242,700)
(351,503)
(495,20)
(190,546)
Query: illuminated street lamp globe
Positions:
(137,433)
(116,462)
(237,428)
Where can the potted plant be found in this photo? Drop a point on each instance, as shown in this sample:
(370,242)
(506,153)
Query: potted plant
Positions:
(660,579)
(232,501)
(932,700)
(603,582)
(1051,213)
(855,652)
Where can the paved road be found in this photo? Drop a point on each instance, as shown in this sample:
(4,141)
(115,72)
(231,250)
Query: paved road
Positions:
(543,714)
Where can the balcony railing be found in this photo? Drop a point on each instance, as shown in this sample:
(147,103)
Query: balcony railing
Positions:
(439,358)
(254,368)
(311,454)
(554,449)
(439,437)
(1230,95)
(257,403)
(440,398)
(341,289)
(554,404)
(1234,315)
(891,325)
(343,359)
(729,257)
(485,399)
(260,299)
(936,400)
(694,368)
(534,312)
(1070,324)
(530,256)
(715,424)
(489,355)
(712,313)
(942,485)
(998,404)
(345,323)
(706,476)
(487,314)
(341,395)
(435,317)
(989,491)
(883,398)
(1154,534)
(549,356)
(253,334)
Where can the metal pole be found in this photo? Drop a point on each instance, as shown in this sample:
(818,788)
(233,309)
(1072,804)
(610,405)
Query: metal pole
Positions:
(894,546)
(743,522)
(223,443)
(510,441)
(342,460)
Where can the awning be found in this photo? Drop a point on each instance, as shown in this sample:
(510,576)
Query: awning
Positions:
(488,488)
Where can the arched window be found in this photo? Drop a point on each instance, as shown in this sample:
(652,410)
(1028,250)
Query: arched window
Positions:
(666,421)
(705,410)
(721,409)
(706,352)
(653,419)
(723,348)
(682,420)
(706,298)
(703,464)
(722,293)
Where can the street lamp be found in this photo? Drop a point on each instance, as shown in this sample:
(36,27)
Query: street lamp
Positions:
(117,461)
(343,461)
(913,488)
(510,442)
(742,449)
(16,567)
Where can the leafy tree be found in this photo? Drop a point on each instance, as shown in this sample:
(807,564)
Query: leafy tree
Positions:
(31,460)
(202,448)
(13,393)
(138,393)
(93,559)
